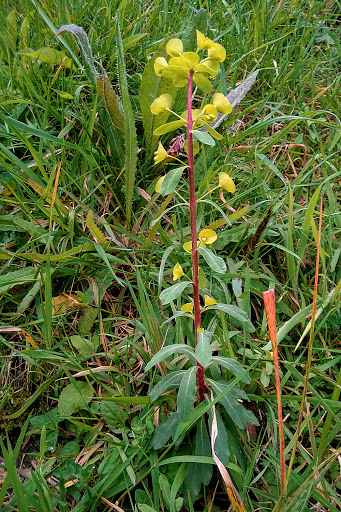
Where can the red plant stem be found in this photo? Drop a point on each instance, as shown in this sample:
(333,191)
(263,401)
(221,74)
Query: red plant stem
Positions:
(270,308)
(193,214)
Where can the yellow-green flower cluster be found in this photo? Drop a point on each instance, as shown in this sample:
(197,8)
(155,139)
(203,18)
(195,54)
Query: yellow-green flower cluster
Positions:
(181,63)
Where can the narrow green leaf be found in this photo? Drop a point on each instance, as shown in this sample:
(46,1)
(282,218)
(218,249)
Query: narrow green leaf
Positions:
(232,365)
(237,412)
(233,311)
(165,431)
(179,459)
(186,393)
(216,263)
(171,180)
(266,161)
(129,127)
(307,224)
(203,350)
(203,137)
(165,352)
(170,381)
(168,127)
(173,292)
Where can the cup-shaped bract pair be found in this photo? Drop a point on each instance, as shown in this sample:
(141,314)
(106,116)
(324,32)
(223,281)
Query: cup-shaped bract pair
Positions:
(182,63)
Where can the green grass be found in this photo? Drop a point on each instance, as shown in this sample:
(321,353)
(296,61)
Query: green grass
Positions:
(81,268)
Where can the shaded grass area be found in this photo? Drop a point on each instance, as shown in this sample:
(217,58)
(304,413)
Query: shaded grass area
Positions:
(80,279)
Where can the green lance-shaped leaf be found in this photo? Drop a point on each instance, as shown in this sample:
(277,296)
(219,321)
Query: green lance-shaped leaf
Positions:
(203,350)
(170,381)
(186,393)
(165,352)
(168,127)
(173,292)
(165,431)
(171,180)
(237,412)
(203,137)
(84,46)
(234,311)
(129,127)
(216,263)
(232,365)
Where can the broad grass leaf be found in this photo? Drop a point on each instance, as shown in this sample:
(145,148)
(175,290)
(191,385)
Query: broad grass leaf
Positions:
(50,56)
(171,180)
(216,263)
(74,396)
(170,381)
(232,365)
(165,352)
(173,292)
(203,350)
(186,393)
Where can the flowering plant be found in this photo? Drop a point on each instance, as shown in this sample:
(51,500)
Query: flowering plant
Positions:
(202,374)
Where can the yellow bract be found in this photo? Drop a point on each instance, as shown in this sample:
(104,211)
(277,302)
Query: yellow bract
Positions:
(161,104)
(188,245)
(159,65)
(209,301)
(226,182)
(209,113)
(177,272)
(208,236)
(204,43)
(160,155)
(159,183)
(174,47)
(221,103)
(218,53)
(188,307)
